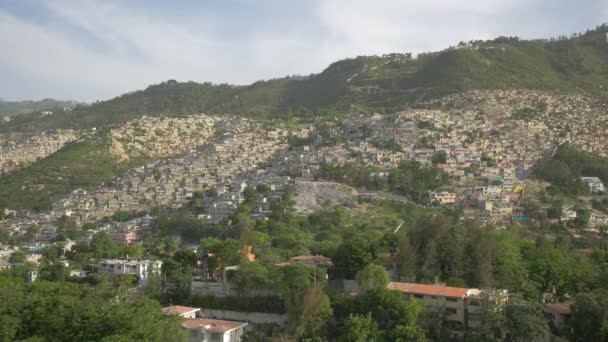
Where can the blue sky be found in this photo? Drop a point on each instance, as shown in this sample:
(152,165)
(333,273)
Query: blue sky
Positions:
(91,50)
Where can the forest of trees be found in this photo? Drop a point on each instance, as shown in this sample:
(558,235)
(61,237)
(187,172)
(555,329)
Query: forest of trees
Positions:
(566,167)
(411,178)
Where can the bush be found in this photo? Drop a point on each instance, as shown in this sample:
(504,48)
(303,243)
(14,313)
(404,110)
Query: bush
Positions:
(267,304)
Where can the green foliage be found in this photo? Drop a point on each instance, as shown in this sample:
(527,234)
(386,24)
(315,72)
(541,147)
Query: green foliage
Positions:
(11,108)
(415,180)
(189,227)
(359,328)
(52,311)
(102,246)
(83,164)
(372,277)
(396,318)
(515,320)
(439,157)
(269,304)
(589,317)
(17,257)
(566,167)
(565,65)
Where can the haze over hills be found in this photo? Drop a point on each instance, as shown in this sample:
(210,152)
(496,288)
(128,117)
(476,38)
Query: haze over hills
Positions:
(10,108)
(578,64)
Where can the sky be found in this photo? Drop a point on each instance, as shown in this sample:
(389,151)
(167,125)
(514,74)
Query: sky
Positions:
(88,50)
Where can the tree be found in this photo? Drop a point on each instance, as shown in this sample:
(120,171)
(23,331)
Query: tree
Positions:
(359,328)
(397,319)
(515,320)
(186,258)
(439,157)
(407,260)
(372,277)
(308,313)
(102,246)
(17,257)
(354,254)
(589,320)
(296,278)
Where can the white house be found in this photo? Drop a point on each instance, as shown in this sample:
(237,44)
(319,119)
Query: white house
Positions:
(136,267)
(184,311)
(594,183)
(206,330)
(214,330)
(443,197)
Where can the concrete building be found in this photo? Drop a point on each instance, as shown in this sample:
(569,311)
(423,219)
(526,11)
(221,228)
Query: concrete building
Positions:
(442,197)
(214,330)
(206,330)
(463,306)
(594,183)
(139,268)
(125,238)
(183,311)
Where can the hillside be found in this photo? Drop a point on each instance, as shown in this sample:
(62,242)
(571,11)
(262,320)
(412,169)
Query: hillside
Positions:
(80,164)
(11,108)
(368,83)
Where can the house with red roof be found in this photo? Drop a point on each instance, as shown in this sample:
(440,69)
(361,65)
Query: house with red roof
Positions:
(462,306)
(206,330)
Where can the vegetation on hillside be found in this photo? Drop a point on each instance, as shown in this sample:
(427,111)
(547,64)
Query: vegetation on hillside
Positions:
(566,167)
(84,163)
(10,108)
(365,83)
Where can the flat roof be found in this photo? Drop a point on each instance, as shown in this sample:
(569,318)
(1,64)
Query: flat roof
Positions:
(212,324)
(430,290)
(178,310)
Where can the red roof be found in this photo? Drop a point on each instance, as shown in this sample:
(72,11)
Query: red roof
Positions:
(212,324)
(178,310)
(430,290)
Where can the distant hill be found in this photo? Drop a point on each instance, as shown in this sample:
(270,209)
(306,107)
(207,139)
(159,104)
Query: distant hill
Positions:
(11,108)
(367,83)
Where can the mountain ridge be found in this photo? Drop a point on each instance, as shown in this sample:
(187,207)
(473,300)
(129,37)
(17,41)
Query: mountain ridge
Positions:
(578,64)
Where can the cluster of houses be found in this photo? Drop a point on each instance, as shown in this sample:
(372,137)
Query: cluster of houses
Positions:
(488,149)
(19,151)
(162,137)
(244,155)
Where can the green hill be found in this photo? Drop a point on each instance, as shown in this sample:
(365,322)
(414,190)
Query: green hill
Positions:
(374,83)
(84,163)
(10,108)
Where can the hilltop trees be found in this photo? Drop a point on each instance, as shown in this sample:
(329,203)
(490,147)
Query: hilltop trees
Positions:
(71,312)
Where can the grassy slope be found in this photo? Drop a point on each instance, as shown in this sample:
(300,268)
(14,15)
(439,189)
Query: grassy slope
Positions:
(80,164)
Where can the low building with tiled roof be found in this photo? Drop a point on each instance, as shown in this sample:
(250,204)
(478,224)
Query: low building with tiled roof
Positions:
(462,305)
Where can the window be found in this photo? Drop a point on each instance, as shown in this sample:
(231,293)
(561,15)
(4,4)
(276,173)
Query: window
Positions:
(474,316)
(455,325)
(419,296)
(474,303)
(216,336)
(450,311)
(451,299)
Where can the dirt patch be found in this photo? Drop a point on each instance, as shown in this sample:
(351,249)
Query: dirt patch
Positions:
(311,196)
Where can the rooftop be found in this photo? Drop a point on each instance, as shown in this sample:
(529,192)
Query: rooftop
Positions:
(431,290)
(178,310)
(212,324)
(559,308)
